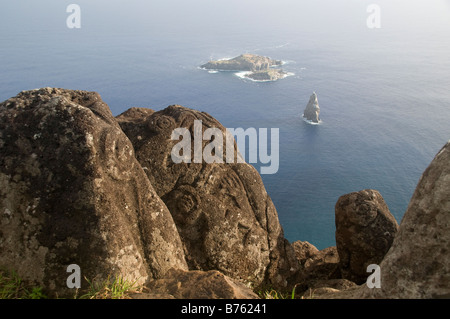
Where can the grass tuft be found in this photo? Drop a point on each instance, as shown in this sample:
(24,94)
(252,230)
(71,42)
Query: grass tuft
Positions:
(111,288)
(275,294)
(13,287)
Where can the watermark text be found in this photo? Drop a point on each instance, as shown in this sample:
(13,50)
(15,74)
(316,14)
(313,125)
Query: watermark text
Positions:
(213,152)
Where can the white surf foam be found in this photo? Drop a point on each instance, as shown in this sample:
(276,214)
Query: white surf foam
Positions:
(243,74)
(223,59)
(311,122)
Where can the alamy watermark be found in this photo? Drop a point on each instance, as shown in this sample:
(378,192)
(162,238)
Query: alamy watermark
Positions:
(74,280)
(374,280)
(214,151)
(73,21)
(374,19)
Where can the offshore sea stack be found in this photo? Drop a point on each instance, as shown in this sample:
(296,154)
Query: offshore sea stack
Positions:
(312,109)
(75,189)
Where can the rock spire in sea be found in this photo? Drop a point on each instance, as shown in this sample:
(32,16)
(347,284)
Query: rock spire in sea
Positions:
(312,110)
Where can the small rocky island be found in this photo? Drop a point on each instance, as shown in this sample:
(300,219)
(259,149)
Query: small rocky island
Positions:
(312,110)
(266,75)
(255,67)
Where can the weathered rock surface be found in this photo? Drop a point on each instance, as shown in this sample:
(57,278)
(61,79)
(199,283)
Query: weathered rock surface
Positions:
(417,266)
(365,229)
(224,215)
(211,284)
(321,266)
(324,264)
(325,287)
(312,109)
(72,192)
(418,263)
(304,251)
(244,62)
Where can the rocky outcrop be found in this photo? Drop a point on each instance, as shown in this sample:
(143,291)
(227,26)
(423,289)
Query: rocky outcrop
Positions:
(418,263)
(365,229)
(312,109)
(72,192)
(417,266)
(223,213)
(75,191)
(179,284)
(323,264)
(319,270)
(316,266)
(244,62)
(320,288)
(304,251)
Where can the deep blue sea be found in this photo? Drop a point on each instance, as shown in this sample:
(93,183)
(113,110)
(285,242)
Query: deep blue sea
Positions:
(384,93)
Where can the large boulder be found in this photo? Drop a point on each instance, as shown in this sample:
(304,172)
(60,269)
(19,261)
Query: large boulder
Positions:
(365,229)
(323,264)
(72,192)
(418,263)
(224,215)
(304,251)
(320,266)
(319,288)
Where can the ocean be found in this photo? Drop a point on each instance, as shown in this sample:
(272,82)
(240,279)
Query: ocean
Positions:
(383,92)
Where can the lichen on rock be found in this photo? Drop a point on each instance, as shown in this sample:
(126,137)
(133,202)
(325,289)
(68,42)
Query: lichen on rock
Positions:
(73,193)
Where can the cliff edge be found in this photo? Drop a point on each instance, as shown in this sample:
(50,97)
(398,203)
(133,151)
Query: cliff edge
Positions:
(79,186)
(82,187)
